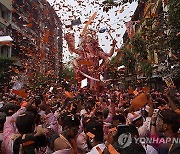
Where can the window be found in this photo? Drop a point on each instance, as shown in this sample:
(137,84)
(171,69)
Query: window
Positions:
(5,51)
(2,29)
(5,13)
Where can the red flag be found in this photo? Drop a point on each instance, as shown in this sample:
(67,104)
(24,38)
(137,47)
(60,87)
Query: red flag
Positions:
(139,101)
(21,93)
(68,94)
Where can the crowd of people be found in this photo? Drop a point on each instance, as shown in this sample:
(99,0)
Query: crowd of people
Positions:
(82,121)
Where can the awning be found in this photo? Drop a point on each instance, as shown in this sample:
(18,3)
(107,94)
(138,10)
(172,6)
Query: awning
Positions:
(5,39)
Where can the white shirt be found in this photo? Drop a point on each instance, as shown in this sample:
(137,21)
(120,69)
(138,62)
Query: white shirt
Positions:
(149,149)
(82,112)
(81,141)
(145,128)
(95,151)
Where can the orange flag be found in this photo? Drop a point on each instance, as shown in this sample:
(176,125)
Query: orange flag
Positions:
(68,94)
(88,23)
(21,93)
(90,135)
(139,101)
(85,62)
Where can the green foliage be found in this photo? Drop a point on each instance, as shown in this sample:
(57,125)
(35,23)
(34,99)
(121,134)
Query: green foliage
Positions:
(38,80)
(139,48)
(112,72)
(174,25)
(154,32)
(109,4)
(114,61)
(137,56)
(146,68)
(159,33)
(129,60)
(69,74)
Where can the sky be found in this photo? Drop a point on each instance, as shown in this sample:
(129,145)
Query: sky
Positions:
(113,20)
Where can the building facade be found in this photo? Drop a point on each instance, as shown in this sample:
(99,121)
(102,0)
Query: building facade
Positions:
(5,22)
(37,34)
(150,23)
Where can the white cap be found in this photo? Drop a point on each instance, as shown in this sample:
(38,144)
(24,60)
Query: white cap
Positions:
(83,111)
(147,108)
(134,116)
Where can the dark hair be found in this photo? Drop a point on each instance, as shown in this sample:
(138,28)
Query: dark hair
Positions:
(144,113)
(71,121)
(120,118)
(96,128)
(133,148)
(41,141)
(98,113)
(172,118)
(133,130)
(74,110)
(25,122)
(10,108)
(106,113)
(37,100)
(2,120)
(34,110)
(29,143)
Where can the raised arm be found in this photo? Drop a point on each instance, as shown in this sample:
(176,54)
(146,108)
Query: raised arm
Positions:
(71,43)
(10,130)
(105,60)
(111,52)
(75,62)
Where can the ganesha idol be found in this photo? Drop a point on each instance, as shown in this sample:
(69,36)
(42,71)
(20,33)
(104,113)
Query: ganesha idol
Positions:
(89,54)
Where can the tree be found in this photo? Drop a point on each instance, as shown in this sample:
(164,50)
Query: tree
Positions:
(109,4)
(174,37)
(174,26)
(69,74)
(112,68)
(38,81)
